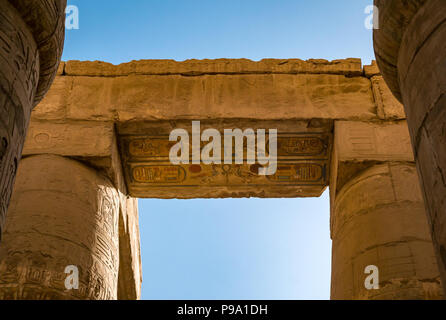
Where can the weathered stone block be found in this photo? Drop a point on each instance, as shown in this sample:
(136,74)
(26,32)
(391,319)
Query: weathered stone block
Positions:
(373,141)
(75,139)
(372,70)
(348,67)
(169,90)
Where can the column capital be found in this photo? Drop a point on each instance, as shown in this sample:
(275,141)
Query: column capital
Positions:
(360,145)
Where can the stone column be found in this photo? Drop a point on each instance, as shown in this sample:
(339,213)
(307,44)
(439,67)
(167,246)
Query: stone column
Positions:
(378,216)
(379,220)
(62,213)
(130,268)
(31,42)
(410,49)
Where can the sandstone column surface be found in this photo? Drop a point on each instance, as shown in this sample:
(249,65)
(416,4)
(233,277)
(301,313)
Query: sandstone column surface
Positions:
(62,214)
(410,47)
(379,220)
(31,43)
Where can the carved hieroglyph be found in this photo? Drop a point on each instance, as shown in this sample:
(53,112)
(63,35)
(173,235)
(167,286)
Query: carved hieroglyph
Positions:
(31,42)
(19,74)
(379,219)
(302,163)
(62,214)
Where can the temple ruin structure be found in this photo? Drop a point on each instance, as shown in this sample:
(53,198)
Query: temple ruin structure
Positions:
(100,139)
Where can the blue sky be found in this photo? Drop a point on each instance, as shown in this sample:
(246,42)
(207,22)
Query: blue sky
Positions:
(234,248)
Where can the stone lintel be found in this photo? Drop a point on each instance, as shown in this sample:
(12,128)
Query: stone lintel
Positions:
(210,89)
(156,90)
(348,67)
